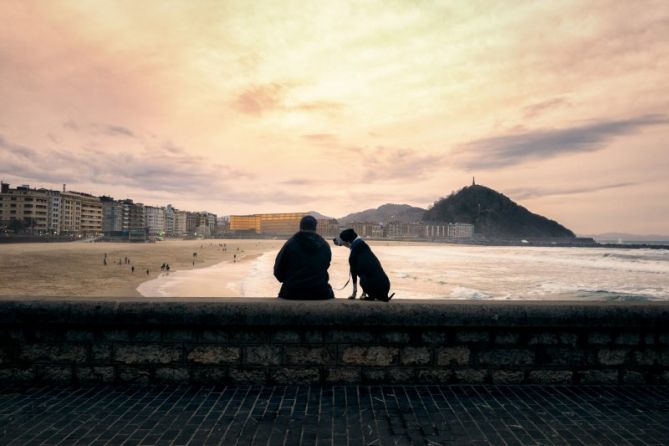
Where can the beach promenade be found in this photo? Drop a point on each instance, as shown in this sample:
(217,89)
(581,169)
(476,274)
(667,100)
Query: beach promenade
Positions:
(335,415)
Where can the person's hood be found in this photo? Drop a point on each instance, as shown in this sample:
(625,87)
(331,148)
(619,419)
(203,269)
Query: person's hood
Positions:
(310,241)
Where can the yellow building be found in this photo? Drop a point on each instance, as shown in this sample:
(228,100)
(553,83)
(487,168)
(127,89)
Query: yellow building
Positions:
(278,224)
(90,221)
(29,207)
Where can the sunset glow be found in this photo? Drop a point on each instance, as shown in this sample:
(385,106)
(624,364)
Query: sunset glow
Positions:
(245,107)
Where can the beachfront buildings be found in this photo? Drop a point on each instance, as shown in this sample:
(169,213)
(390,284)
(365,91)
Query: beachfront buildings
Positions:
(449,231)
(275,224)
(24,208)
(89,217)
(154,218)
(368,230)
(50,212)
(180,219)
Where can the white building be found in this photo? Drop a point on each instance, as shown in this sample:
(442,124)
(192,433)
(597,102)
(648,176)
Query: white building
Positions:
(154,219)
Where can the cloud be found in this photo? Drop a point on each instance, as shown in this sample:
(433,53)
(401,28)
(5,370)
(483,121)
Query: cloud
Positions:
(536,109)
(96,129)
(115,130)
(392,164)
(260,99)
(257,100)
(153,169)
(508,150)
(528,193)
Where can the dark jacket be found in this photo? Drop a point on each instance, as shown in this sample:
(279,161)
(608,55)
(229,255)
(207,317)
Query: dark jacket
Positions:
(364,264)
(302,266)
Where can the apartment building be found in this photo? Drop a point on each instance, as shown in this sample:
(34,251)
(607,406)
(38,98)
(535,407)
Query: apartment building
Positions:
(24,207)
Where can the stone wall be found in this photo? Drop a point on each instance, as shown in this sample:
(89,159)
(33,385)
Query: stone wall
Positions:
(274,341)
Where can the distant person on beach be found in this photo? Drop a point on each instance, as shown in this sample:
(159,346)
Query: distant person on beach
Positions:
(302,264)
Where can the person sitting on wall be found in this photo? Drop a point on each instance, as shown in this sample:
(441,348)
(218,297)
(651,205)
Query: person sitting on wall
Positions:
(302,264)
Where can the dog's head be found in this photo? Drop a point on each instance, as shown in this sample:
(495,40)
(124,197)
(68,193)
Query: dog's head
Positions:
(346,236)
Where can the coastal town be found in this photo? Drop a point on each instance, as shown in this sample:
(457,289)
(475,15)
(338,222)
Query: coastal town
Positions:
(44,214)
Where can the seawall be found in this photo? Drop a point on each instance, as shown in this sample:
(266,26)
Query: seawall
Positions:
(139,340)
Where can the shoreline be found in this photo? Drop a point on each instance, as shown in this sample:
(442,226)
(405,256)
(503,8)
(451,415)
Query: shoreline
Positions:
(77,269)
(230,274)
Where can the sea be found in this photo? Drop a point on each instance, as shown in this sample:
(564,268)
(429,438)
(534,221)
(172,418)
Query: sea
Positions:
(459,272)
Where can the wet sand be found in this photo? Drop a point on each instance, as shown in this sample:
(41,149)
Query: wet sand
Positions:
(77,269)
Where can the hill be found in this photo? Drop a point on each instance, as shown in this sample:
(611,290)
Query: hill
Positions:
(494,215)
(386,213)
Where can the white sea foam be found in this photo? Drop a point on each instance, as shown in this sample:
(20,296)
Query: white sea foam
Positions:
(456,272)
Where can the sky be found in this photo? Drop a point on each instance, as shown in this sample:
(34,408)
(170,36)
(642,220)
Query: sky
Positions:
(263,106)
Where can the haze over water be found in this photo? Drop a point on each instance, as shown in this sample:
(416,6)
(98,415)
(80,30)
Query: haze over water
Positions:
(460,272)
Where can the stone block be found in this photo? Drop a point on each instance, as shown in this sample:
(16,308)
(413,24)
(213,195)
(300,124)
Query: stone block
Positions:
(115,335)
(218,336)
(453,356)
(507,338)
(470,376)
(262,355)
(134,375)
(343,375)
(506,357)
(598,376)
(101,353)
(147,354)
(56,374)
(649,339)
(551,376)
(209,375)
(599,338)
(628,339)
(507,377)
(348,336)
(179,336)
(631,377)
(395,337)
(434,337)
(249,337)
(545,338)
(473,337)
(616,356)
(213,354)
(53,353)
(373,376)
(103,374)
(314,337)
(400,375)
(663,338)
(286,337)
(434,376)
(79,335)
(174,375)
(565,356)
(295,375)
(415,356)
(24,375)
(245,375)
(370,355)
(568,338)
(663,358)
(646,357)
(320,355)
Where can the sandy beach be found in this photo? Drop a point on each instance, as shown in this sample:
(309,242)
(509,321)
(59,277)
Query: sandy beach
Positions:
(77,269)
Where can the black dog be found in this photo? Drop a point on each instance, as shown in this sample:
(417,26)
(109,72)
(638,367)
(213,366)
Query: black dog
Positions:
(363,263)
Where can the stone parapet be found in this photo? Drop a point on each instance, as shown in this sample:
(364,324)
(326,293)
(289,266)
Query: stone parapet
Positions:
(273,341)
